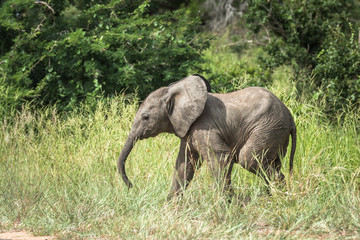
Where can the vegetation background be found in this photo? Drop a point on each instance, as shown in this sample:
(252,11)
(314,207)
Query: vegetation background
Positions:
(73,72)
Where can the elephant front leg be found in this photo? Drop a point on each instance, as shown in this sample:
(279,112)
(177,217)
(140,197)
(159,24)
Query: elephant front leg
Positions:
(186,164)
(221,166)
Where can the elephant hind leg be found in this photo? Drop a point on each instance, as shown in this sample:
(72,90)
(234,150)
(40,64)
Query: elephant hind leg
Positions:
(279,176)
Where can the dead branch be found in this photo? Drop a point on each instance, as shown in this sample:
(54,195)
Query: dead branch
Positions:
(45,4)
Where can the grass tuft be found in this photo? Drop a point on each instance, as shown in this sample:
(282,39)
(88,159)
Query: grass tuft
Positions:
(58,176)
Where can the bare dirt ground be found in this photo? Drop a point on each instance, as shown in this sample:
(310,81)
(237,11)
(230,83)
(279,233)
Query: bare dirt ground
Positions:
(22,236)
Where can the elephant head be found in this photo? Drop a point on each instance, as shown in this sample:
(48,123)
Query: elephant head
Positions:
(170,109)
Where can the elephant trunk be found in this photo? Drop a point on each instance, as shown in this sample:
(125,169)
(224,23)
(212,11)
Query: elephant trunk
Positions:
(123,156)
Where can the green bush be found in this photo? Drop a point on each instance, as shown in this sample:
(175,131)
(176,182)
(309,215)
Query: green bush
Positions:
(338,71)
(229,71)
(296,29)
(313,35)
(68,51)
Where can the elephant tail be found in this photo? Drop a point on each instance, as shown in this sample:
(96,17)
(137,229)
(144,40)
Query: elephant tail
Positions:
(293,148)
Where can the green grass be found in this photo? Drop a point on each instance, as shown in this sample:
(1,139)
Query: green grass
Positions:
(58,176)
(58,173)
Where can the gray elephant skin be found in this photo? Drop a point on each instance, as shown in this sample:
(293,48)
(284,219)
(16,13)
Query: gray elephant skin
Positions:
(250,127)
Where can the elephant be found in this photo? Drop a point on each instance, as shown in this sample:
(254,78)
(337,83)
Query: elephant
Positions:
(250,127)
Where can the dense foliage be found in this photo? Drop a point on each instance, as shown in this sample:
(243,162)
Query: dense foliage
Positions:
(338,71)
(297,28)
(313,34)
(67,51)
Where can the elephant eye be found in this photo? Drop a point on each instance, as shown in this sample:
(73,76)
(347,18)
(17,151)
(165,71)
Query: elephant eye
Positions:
(145,117)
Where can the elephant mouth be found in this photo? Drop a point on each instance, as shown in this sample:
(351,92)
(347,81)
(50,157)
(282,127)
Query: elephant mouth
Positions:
(145,134)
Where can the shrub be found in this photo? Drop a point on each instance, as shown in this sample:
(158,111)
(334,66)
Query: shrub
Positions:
(296,28)
(313,35)
(338,71)
(66,52)
(227,70)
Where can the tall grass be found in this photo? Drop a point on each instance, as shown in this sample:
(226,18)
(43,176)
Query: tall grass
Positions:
(58,176)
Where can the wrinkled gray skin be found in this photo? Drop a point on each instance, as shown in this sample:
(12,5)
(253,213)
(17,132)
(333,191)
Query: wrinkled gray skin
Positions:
(250,127)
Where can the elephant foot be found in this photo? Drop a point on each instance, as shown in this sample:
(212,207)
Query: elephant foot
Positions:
(245,200)
(169,197)
(175,195)
(239,199)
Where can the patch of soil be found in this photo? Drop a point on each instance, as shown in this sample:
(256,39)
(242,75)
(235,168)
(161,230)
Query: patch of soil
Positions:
(22,236)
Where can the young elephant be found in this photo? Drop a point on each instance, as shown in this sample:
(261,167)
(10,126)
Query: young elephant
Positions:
(250,127)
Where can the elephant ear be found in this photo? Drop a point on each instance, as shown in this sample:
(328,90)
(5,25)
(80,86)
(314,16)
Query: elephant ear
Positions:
(185,102)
